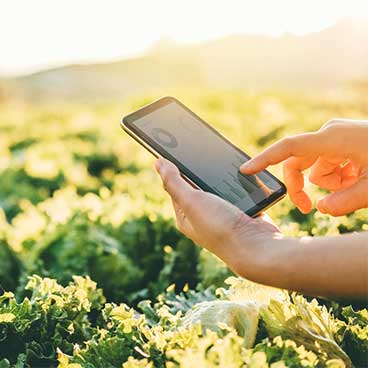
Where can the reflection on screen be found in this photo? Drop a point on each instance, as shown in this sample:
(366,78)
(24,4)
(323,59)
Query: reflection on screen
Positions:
(206,155)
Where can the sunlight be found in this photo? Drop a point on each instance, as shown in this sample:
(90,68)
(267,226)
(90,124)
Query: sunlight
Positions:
(40,33)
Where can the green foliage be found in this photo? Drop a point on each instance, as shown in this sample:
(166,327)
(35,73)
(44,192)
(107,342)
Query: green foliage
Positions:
(9,267)
(74,321)
(79,202)
(52,317)
(32,189)
(287,351)
(306,323)
(112,256)
(175,302)
(354,335)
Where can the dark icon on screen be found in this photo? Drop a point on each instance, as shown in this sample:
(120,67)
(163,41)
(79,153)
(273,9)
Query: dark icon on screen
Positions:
(164,137)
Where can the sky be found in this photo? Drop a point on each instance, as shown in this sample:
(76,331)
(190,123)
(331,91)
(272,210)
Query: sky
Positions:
(38,34)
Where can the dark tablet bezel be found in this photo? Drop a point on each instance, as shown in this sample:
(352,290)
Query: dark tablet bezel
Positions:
(158,151)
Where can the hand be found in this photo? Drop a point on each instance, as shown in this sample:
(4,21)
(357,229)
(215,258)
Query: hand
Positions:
(254,248)
(214,223)
(337,155)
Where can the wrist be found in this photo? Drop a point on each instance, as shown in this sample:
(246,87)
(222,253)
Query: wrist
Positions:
(265,260)
(253,254)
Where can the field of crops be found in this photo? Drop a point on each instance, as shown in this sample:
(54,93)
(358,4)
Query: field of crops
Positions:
(93,272)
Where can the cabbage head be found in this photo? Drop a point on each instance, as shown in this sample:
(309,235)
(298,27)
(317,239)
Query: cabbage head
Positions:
(222,315)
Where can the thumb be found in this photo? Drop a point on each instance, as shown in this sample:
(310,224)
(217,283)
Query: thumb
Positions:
(179,190)
(347,200)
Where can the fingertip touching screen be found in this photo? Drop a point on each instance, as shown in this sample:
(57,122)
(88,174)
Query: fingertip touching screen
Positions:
(211,161)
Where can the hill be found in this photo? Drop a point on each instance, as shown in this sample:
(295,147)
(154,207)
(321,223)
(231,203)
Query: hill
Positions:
(325,59)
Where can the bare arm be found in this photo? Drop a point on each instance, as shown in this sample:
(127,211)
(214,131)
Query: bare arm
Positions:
(334,266)
(254,248)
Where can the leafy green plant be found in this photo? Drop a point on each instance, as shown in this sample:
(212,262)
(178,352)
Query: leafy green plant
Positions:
(52,317)
(112,256)
(79,202)
(307,324)
(354,335)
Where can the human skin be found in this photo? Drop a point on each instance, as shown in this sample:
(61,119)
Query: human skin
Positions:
(337,155)
(254,248)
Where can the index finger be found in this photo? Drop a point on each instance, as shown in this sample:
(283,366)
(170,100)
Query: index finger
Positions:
(298,145)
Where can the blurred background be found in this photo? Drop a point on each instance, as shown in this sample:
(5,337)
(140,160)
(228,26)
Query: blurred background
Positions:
(77,196)
(94,50)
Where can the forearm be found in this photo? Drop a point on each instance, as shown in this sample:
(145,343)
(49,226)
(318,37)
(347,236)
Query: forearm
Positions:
(335,266)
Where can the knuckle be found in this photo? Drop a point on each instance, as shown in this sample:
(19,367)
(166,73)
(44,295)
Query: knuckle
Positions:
(168,182)
(288,143)
(331,122)
(332,125)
